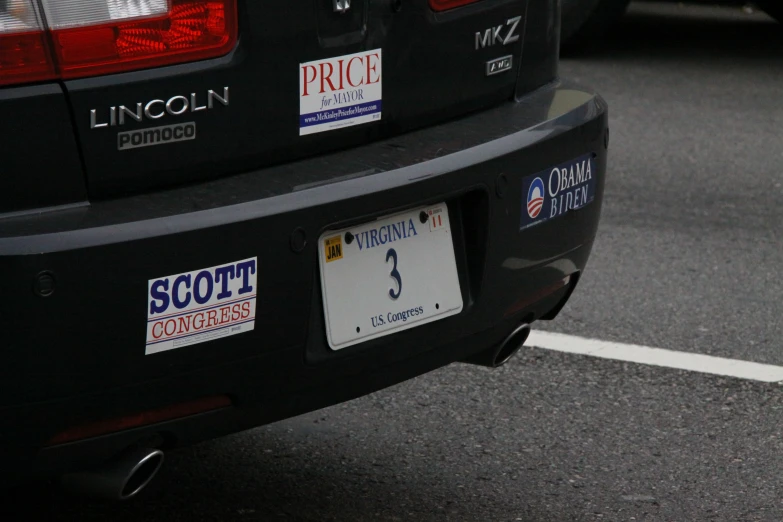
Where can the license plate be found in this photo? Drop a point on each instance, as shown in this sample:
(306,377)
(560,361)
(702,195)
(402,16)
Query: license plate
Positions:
(390,275)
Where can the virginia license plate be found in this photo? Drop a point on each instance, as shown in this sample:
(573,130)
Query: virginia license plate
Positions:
(389,275)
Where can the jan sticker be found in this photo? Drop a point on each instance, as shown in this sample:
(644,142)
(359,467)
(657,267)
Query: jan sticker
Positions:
(557,190)
(200,306)
(333,248)
(340,92)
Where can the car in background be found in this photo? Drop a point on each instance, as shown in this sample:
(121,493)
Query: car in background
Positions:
(584,21)
(217,214)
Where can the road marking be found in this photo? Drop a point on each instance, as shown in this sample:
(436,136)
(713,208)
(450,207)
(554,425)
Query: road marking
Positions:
(656,356)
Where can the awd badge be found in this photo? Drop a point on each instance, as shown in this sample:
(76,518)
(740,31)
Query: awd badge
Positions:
(499,65)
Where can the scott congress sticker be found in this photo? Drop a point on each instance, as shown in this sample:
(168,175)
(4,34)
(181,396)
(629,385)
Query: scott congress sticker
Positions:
(200,306)
(340,92)
(555,191)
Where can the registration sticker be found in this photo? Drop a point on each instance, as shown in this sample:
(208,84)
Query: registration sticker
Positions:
(557,190)
(333,248)
(340,92)
(200,306)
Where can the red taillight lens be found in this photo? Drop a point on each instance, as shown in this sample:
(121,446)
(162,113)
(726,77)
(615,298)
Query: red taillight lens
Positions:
(24,57)
(445,5)
(24,53)
(191,30)
(94,37)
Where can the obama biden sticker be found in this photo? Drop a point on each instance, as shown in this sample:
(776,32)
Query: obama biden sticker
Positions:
(340,92)
(557,190)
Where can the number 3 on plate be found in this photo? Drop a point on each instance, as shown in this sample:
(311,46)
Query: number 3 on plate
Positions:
(392,254)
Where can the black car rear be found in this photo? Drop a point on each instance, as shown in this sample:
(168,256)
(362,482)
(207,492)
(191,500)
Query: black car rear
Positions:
(151,149)
(432,72)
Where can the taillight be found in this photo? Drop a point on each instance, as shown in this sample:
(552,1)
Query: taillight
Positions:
(94,37)
(135,34)
(444,5)
(24,53)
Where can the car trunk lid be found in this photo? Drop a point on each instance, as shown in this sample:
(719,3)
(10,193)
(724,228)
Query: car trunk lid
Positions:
(304,78)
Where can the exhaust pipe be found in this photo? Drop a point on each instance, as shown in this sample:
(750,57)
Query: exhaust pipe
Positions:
(500,354)
(119,479)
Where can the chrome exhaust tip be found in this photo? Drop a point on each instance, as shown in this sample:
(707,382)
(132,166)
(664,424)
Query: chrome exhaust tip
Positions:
(503,352)
(120,479)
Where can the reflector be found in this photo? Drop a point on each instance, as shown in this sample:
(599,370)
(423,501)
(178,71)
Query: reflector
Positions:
(146,418)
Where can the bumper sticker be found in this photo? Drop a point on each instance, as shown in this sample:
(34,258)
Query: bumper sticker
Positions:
(555,191)
(340,92)
(200,306)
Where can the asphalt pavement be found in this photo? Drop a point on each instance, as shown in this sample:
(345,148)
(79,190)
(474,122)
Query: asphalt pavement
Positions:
(688,259)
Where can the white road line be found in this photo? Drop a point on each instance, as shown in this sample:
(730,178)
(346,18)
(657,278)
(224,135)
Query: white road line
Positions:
(656,356)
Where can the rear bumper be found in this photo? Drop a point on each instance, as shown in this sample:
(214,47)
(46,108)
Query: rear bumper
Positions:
(78,355)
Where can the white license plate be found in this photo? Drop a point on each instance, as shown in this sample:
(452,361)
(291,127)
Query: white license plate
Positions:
(389,275)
